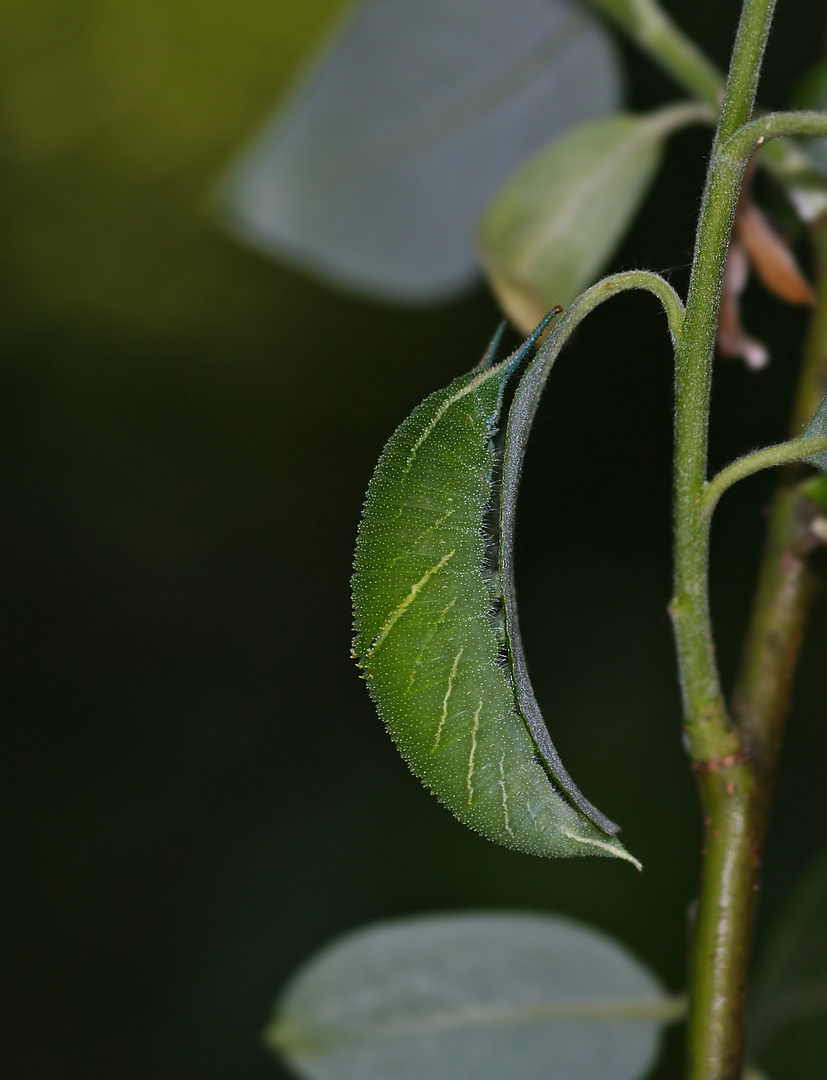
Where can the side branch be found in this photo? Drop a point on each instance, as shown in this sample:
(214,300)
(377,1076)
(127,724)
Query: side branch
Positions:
(751,136)
(767,458)
(788,580)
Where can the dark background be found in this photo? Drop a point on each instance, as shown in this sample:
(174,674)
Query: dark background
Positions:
(199,794)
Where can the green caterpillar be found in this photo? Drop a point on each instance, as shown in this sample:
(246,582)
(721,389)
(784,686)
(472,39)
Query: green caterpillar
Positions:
(436,633)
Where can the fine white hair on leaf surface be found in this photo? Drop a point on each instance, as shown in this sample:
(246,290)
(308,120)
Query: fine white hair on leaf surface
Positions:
(443,663)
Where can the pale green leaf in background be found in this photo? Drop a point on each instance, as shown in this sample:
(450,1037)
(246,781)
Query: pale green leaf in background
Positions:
(751,1073)
(373,174)
(473,997)
(787,1032)
(811,93)
(816,489)
(549,232)
(805,174)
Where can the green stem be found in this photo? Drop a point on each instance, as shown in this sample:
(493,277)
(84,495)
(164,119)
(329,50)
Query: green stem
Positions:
(766,458)
(787,587)
(723,928)
(608,287)
(651,28)
(707,728)
(722,938)
(532,384)
(782,156)
(708,731)
(649,25)
(734,804)
(807,122)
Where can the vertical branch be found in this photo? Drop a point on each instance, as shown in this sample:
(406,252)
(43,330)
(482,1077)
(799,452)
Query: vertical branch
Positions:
(723,928)
(708,732)
(652,28)
(788,583)
(736,793)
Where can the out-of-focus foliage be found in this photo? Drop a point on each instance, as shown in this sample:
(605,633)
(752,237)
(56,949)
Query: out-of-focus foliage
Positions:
(198,791)
(473,997)
(811,93)
(113,118)
(787,1033)
(818,427)
(160,82)
(816,490)
(372,176)
(550,230)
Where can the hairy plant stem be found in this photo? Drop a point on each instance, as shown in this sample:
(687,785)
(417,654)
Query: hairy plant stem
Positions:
(709,734)
(612,285)
(723,926)
(734,764)
(653,30)
(766,458)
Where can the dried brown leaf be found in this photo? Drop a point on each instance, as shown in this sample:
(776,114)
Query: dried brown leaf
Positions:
(771,257)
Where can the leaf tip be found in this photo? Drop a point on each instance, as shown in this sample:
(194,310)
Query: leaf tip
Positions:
(616,848)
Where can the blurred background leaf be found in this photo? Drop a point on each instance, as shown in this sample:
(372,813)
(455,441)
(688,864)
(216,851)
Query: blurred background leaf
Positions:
(372,176)
(811,93)
(473,997)
(818,427)
(816,489)
(550,230)
(788,1004)
(197,791)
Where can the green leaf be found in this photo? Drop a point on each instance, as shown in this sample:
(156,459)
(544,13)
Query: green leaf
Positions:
(547,234)
(373,174)
(811,93)
(473,997)
(439,647)
(787,1033)
(804,170)
(818,427)
(816,489)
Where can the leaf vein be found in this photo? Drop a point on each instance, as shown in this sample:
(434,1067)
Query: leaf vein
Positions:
(400,610)
(474,731)
(445,700)
(437,622)
(505,796)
